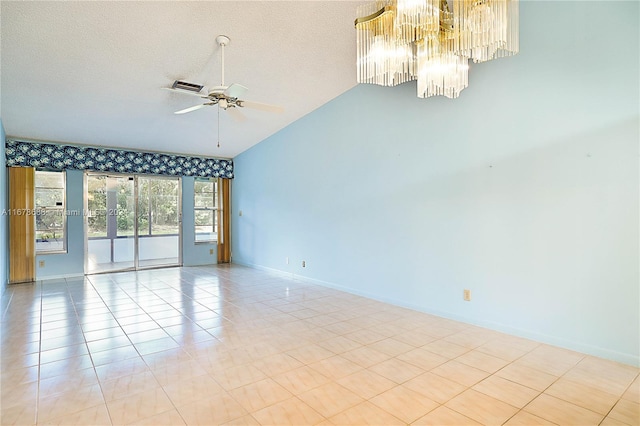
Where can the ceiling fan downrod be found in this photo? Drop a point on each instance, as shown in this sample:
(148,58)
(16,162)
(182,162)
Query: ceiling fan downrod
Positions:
(222,40)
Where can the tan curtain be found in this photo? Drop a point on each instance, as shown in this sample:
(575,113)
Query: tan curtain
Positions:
(22,239)
(224,221)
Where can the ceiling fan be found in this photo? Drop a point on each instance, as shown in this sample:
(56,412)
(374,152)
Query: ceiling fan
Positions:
(228,98)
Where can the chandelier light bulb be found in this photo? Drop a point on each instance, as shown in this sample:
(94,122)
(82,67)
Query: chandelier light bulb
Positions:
(424,40)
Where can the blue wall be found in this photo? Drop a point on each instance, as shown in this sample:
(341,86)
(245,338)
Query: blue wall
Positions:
(524,190)
(70,264)
(4,219)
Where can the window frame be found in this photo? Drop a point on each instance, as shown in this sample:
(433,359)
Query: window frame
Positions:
(40,209)
(213,210)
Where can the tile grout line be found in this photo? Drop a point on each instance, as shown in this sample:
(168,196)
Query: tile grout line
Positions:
(39,364)
(130,341)
(509,362)
(620,399)
(84,337)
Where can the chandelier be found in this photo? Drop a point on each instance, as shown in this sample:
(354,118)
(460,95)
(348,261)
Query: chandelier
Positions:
(426,41)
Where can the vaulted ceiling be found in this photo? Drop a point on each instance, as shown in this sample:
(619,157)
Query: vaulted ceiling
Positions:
(91,72)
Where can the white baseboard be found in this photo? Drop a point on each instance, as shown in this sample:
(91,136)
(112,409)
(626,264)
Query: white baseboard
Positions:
(58,277)
(597,351)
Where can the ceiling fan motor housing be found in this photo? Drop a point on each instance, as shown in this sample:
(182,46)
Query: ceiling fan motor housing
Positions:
(217,90)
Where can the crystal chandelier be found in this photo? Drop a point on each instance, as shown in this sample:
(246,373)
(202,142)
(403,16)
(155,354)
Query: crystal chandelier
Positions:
(424,40)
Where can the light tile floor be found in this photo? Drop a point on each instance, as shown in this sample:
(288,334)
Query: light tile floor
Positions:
(233,345)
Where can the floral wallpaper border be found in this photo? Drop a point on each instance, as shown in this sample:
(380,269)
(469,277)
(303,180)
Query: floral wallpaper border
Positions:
(60,157)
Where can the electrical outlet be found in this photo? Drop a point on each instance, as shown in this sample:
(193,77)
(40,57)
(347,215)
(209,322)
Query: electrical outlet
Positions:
(286,260)
(210,251)
(41,264)
(304,264)
(467,295)
(240,213)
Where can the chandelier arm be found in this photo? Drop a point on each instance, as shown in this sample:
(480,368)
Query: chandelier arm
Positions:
(374,15)
(432,41)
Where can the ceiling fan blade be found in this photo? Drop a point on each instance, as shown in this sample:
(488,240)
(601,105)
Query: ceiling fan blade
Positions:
(236,115)
(261,106)
(201,94)
(193,108)
(236,90)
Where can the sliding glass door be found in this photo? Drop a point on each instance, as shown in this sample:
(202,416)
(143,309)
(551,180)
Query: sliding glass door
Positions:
(132,222)
(158,221)
(110,231)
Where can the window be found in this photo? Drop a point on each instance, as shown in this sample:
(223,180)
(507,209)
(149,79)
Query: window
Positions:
(96,206)
(50,213)
(206,210)
(158,206)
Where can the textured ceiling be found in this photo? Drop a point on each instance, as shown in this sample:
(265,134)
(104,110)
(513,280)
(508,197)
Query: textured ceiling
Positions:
(92,72)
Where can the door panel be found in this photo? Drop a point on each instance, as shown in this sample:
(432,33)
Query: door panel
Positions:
(110,223)
(158,221)
(133,222)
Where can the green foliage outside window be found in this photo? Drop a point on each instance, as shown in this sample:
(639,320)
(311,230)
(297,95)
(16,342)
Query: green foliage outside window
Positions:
(205,210)
(158,206)
(50,215)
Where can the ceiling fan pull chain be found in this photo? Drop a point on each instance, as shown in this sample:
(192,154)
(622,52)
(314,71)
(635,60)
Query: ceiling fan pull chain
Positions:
(219,125)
